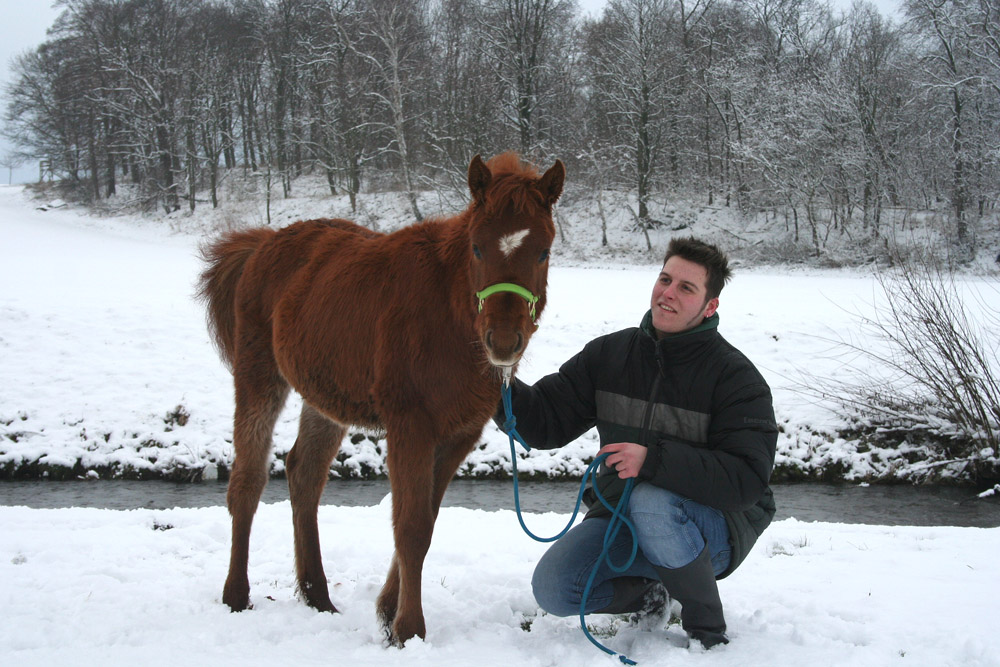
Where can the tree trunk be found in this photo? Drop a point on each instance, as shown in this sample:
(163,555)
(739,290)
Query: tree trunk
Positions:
(959,191)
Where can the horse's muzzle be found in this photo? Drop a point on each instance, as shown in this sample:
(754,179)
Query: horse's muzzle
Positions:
(504,348)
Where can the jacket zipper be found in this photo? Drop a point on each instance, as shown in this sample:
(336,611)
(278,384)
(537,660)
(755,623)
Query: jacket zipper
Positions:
(647,417)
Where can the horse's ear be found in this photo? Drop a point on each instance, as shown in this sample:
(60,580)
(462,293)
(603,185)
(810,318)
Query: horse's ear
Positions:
(479,178)
(551,182)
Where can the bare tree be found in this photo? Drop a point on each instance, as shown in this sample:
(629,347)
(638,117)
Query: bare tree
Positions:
(352,75)
(35,123)
(872,70)
(520,41)
(398,50)
(140,48)
(958,69)
(629,54)
(12,161)
(279,29)
(212,102)
(782,105)
(51,114)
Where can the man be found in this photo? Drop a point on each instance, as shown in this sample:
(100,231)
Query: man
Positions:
(689,417)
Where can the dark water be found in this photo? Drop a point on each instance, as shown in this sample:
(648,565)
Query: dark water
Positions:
(879,505)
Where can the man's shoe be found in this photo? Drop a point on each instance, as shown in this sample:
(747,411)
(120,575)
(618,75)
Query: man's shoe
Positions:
(694,586)
(654,611)
(630,595)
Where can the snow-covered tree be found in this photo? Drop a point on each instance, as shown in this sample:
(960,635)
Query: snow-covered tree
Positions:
(629,56)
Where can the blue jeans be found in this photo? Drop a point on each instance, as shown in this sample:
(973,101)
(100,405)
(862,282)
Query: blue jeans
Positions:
(672,532)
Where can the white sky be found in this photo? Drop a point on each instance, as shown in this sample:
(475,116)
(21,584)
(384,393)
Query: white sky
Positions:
(22,27)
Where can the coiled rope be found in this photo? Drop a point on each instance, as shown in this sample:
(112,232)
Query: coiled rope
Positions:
(618,517)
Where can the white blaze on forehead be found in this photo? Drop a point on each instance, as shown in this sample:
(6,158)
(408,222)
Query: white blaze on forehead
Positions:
(511,242)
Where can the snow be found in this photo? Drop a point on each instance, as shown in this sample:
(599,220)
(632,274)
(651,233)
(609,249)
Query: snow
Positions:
(102,587)
(101,343)
(105,347)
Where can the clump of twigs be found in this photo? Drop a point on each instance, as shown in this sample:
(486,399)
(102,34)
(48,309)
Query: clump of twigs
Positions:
(926,369)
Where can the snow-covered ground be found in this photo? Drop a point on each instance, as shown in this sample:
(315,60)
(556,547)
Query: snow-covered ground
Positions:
(98,587)
(100,341)
(108,366)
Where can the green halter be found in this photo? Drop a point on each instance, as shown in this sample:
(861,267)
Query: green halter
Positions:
(509,287)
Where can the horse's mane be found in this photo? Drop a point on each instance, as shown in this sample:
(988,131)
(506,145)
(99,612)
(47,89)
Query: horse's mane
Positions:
(512,179)
(510,163)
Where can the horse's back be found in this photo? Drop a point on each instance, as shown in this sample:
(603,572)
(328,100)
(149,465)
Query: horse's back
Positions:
(362,305)
(283,255)
(326,276)
(341,225)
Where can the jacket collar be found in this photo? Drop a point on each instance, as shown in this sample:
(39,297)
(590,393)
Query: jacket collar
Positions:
(708,324)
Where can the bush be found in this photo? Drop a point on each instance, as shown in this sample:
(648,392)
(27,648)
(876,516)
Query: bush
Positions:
(933,382)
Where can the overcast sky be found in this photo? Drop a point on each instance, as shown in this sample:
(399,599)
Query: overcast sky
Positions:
(22,27)
(23,24)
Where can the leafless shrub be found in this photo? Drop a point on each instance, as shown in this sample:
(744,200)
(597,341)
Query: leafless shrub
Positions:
(933,377)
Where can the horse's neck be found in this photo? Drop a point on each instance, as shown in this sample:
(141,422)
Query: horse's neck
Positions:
(455,254)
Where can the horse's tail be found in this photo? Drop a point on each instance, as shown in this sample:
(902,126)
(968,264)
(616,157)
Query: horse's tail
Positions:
(226,257)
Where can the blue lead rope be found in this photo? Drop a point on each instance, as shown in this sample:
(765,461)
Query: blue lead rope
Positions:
(618,517)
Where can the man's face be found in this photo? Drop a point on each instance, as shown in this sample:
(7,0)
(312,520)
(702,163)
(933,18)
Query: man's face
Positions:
(679,299)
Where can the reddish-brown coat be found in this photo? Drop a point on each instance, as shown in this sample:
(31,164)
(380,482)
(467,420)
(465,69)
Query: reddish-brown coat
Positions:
(381,331)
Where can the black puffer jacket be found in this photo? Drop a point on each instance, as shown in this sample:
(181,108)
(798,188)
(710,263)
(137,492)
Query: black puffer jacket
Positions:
(696,402)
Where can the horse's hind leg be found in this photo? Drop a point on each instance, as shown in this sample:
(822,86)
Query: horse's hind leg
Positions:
(307,468)
(260,395)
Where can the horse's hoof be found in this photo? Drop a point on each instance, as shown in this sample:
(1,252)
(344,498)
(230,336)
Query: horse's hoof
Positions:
(403,631)
(318,599)
(236,598)
(326,606)
(386,625)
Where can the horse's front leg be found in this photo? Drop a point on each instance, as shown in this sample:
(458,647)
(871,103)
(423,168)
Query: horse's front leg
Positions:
(447,459)
(411,475)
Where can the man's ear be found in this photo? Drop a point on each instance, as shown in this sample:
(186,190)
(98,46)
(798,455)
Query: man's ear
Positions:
(711,307)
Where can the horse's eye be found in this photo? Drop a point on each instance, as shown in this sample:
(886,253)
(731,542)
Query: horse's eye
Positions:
(545,256)
(475,251)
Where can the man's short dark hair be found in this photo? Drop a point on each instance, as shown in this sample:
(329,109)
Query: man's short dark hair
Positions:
(706,255)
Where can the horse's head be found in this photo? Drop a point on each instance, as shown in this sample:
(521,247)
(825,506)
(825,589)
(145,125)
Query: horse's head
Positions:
(510,233)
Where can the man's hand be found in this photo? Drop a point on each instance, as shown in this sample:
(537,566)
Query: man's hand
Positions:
(624,457)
